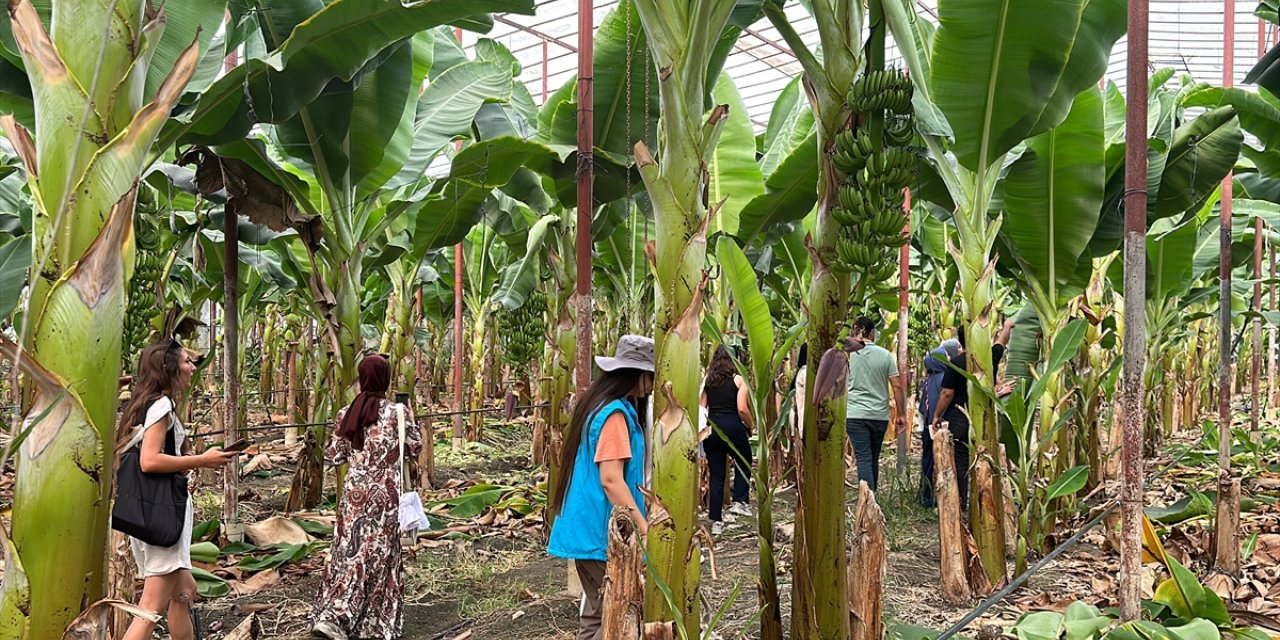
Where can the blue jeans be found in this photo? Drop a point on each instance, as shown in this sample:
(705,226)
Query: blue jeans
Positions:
(867,437)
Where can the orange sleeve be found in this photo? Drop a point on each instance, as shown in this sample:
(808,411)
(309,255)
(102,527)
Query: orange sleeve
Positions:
(615,441)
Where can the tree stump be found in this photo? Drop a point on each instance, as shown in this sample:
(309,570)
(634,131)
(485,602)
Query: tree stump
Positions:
(951,536)
(623,601)
(867,568)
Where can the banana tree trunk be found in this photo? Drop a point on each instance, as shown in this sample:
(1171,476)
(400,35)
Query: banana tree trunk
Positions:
(681,37)
(55,556)
(976,230)
(560,369)
(819,591)
(478,373)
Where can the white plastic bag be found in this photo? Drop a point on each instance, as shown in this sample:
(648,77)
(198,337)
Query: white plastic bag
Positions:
(412,516)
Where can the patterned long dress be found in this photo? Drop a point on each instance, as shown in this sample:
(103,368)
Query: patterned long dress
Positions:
(363,591)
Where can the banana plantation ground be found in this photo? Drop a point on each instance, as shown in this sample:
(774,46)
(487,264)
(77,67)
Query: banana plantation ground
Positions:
(482,572)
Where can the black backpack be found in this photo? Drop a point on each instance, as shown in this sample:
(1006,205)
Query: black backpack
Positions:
(150,506)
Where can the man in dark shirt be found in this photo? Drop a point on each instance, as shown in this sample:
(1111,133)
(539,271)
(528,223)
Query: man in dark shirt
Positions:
(954,400)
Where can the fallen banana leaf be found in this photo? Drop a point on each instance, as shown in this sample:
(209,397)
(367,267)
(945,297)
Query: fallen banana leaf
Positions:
(209,585)
(206,552)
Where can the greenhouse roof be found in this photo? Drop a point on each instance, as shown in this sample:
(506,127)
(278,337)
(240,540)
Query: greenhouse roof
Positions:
(1186,35)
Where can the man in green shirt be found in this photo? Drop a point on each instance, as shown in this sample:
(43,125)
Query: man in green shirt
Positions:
(872,370)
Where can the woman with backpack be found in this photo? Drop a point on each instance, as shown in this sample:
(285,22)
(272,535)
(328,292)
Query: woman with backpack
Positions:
(163,376)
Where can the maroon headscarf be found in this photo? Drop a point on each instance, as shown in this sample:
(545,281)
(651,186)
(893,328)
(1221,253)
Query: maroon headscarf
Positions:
(375,378)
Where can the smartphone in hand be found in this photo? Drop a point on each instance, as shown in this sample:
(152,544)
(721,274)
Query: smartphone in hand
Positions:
(238,445)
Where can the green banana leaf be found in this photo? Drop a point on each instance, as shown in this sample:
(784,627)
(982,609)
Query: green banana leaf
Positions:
(981,55)
(790,193)
(790,122)
(613,111)
(1053,195)
(751,305)
(1202,153)
(734,176)
(15,260)
(335,42)
(343,133)
(520,278)
(1170,254)
(1259,111)
(447,109)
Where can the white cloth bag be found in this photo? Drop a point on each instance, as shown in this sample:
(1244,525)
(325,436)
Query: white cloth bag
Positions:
(412,516)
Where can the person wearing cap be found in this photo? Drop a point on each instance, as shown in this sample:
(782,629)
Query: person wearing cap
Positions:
(602,467)
(935,368)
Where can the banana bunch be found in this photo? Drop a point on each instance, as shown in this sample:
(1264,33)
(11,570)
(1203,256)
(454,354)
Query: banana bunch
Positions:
(899,131)
(523,330)
(852,150)
(884,89)
(148,268)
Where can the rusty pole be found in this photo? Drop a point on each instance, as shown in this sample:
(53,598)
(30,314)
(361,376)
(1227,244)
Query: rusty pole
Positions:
(545,69)
(1226,545)
(904,369)
(1135,285)
(586,160)
(459,437)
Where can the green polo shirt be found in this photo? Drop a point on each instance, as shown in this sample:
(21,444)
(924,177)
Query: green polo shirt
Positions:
(869,373)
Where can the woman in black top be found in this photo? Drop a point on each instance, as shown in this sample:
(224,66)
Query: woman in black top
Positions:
(728,408)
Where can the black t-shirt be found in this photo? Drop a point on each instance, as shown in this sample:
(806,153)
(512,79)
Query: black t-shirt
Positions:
(952,379)
(722,399)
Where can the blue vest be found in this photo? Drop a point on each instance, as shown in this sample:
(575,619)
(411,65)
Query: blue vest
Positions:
(580,531)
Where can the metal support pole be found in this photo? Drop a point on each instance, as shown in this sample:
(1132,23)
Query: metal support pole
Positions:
(232,528)
(459,437)
(586,160)
(1226,544)
(1135,285)
(904,368)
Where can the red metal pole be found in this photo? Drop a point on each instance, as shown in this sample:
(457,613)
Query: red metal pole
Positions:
(586,160)
(545,71)
(1135,265)
(459,437)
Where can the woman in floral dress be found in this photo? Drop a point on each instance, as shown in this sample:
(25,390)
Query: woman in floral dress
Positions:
(363,592)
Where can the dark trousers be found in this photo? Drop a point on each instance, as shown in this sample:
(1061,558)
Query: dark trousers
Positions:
(867,437)
(925,497)
(959,425)
(591,574)
(738,446)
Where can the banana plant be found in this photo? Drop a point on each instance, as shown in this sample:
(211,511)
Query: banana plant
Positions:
(1056,186)
(687,62)
(349,159)
(102,81)
(768,356)
(975,78)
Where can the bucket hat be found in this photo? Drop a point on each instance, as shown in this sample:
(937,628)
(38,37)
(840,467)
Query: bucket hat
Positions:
(633,352)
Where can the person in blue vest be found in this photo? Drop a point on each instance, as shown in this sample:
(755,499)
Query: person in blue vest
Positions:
(602,467)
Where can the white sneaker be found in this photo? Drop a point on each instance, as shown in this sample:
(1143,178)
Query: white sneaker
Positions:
(717,528)
(741,508)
